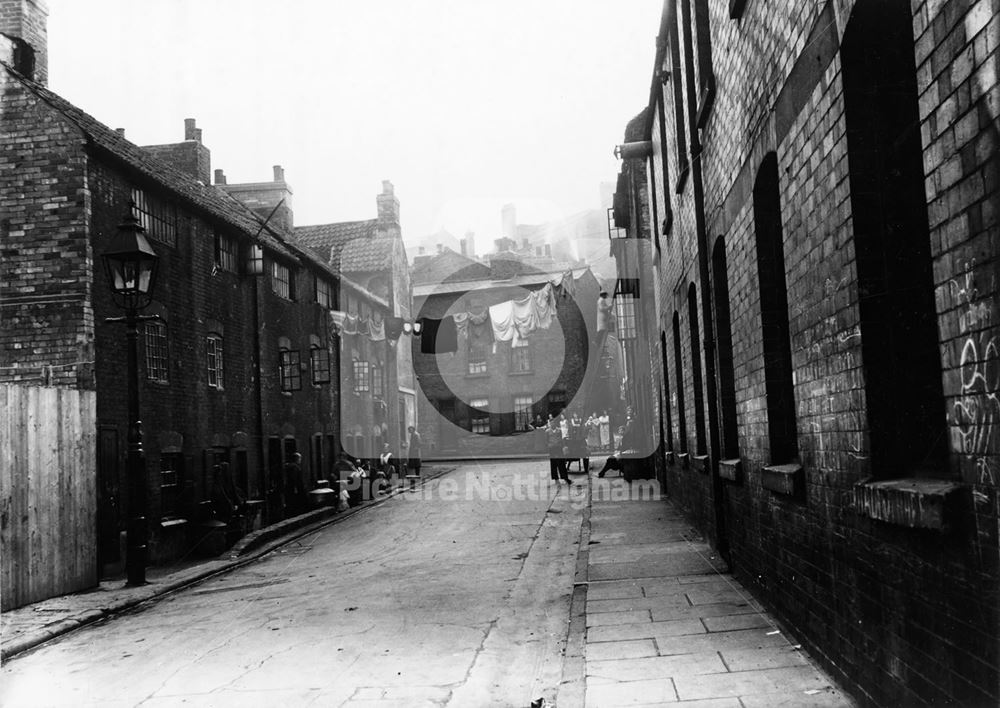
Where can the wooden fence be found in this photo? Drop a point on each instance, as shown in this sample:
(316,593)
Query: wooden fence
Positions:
(48,492)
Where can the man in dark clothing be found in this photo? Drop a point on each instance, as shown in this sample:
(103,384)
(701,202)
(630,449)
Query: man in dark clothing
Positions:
(413,452)
(557,458)
(295,493)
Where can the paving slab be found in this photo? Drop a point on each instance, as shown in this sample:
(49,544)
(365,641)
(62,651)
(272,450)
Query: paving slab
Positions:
(703,640)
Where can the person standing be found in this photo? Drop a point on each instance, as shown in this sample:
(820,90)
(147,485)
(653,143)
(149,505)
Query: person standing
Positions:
(578,442)
(413,452)
(295,493)
(604,426)
(557,463)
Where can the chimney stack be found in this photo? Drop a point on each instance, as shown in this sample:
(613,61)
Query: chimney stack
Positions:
(27,22)
(279,174)
(220,177)
(120,131)
(388,209)
(189,156)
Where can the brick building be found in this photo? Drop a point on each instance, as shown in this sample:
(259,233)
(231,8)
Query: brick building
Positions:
(482,400)
(820,181)
(242,365)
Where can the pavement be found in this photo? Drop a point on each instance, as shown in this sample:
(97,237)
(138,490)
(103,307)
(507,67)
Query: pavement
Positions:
(489,587)
(30,626)
(665,623)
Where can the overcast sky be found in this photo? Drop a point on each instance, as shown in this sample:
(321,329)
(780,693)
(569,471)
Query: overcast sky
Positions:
(463,104)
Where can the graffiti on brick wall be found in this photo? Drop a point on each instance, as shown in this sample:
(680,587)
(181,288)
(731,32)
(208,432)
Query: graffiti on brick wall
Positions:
(975,413)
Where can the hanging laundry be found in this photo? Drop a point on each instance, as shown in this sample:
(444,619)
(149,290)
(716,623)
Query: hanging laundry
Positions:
(337,320)
(461,324)
(376,330)
(364,327)
(480,328)
(438,336)
(545,305)
(350,324)
(525,316)
(502,321)
(393,328)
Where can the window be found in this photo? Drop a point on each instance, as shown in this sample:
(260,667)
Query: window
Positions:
(323,292)
(557,402)
(255,260)
(520,355)
(171,484)
(479,416)
(288,364)
(703,57)
(225,252)
(777,352)
(477,357)
(361,380)
(625,315)
(319,362)
(214,356)
(378,381)
(696,379)
(679,374)
(676,79)
(157,217)
(156,352)
(668,216)
(522,412)
(281,281)
(724,351)
(899,343)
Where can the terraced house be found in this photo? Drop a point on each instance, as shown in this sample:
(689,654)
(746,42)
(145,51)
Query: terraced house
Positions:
(813,188)
(240,365)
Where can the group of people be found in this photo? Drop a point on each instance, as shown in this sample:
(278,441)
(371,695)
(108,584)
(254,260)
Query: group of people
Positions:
(570,438)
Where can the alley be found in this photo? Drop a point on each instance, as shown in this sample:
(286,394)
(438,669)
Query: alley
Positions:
(456,594)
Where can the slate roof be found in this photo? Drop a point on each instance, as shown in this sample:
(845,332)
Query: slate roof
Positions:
(349,246)
(448,266)
(213,202)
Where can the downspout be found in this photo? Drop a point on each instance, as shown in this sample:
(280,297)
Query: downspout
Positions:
(266,476)
(707,317)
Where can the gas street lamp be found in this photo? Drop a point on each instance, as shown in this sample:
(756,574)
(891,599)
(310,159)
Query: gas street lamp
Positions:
(130,265)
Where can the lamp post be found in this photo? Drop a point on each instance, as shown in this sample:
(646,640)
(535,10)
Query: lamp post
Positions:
(130,264)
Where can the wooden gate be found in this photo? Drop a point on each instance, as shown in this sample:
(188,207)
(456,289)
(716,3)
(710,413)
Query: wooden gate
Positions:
(48,492)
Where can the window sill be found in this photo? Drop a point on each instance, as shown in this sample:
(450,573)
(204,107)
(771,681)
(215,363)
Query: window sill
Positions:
(668,457)
(731,470)
(483,375)
(783,479)
(700,463)
(520,373)
(683,460)
(911,503)
(173,523)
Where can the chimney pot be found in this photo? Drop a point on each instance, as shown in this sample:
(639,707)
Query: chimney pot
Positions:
(189,129)
(197,134)
(220,177)
(120,131)
(279,174)
(386,187)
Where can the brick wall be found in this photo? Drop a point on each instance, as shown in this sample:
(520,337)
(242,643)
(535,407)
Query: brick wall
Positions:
(46,316)
(901,615)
